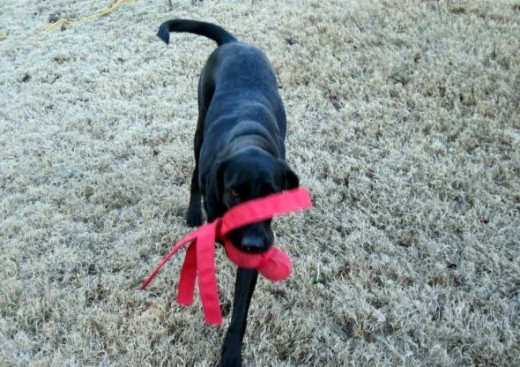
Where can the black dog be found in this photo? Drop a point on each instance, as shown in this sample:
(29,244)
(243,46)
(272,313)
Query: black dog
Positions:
(239,151)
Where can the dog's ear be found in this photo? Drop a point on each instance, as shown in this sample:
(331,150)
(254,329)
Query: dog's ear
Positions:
(213,198)
(291,180)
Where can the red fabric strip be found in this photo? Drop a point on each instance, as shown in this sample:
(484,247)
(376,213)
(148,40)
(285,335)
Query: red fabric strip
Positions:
(206,273)
(186,287)
(200,256)
(264,208)
(188,238)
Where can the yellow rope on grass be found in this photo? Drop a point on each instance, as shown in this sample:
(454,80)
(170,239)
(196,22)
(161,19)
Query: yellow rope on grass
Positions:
(117,4)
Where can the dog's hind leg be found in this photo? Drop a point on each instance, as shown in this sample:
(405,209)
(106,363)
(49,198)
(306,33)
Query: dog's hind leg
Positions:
(244,288)
(205,92)
(194,216)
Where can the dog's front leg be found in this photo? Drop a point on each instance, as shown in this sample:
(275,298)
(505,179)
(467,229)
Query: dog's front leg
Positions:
(244,288)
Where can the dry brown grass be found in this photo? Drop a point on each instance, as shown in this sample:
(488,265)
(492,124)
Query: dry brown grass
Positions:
(403,122)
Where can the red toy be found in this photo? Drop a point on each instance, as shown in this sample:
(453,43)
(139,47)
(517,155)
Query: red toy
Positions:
(200,256)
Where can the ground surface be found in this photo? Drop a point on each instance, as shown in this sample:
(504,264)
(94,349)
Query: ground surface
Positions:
(403,122)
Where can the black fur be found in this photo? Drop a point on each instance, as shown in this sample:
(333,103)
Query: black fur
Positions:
(239,151)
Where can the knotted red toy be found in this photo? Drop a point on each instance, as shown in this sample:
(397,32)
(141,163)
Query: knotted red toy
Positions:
(200,256)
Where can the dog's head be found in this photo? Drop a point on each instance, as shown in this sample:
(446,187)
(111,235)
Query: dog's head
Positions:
(248,175)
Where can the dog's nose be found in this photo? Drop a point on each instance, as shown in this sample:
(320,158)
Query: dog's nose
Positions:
(252,243)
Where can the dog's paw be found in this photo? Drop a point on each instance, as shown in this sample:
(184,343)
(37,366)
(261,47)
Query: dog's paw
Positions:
(231,360)
(231,351)
(194,218)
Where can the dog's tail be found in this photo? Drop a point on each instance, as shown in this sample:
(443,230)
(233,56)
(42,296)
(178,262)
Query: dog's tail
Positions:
(210,30)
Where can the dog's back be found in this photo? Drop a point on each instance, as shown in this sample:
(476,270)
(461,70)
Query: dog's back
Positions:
(237,84)
(247,70)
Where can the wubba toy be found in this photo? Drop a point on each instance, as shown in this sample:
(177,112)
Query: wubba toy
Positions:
(273,264)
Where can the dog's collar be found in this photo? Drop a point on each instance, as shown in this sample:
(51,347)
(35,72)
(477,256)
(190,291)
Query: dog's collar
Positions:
(200,256)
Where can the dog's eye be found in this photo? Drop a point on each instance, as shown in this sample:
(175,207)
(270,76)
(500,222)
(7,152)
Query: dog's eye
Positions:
(235,194)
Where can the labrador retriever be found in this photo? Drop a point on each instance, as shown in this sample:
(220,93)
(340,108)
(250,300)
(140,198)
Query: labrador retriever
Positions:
(239,152)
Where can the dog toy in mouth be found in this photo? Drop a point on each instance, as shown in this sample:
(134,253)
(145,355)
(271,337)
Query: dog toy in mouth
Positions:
(273,264)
